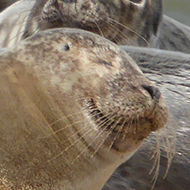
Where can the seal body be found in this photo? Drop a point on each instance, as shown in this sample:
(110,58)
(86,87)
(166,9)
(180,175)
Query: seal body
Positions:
(74,106)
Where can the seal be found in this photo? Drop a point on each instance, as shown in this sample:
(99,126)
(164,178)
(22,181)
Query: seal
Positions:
(136,23)
(74,106)
(129,22)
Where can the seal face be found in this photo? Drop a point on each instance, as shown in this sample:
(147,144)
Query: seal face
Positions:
(71,109)
(128,22)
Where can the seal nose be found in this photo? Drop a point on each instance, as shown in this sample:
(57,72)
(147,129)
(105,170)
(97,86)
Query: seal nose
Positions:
(153,91)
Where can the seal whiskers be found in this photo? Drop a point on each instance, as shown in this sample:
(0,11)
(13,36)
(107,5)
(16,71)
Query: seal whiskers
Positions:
(82,136)
(93,140)
(125,38)
(109,131)
(156,165)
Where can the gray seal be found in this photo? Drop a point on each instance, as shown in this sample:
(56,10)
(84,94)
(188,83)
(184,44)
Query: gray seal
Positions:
(70,116)
(126,22)
(121,21)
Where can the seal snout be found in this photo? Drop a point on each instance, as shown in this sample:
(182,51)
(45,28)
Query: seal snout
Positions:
(153,91)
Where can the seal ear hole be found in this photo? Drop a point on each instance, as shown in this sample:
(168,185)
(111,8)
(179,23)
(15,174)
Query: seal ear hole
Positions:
(67,46)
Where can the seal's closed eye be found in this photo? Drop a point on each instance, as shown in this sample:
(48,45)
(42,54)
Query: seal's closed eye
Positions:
(104,62)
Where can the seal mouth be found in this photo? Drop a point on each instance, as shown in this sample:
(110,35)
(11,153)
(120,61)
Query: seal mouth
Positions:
(121,132)
(123,125)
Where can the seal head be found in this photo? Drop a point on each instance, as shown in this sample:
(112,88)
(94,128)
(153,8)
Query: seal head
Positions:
(79,107)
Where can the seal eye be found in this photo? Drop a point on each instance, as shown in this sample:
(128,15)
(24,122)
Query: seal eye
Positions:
(105,63)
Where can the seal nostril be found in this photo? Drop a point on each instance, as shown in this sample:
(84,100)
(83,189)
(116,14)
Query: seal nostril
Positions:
(153,91)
